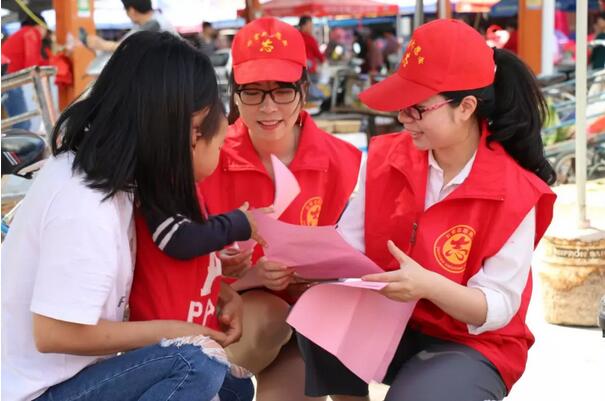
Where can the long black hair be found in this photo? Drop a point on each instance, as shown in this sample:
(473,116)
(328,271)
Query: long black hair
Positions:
(142,6)
(133,131)
(515,109)
(302,86)
(33,19)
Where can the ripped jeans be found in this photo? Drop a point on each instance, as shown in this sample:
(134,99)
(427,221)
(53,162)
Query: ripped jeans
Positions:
(174,370)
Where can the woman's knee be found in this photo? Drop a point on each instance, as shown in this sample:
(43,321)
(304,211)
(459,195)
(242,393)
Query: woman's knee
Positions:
(265,319)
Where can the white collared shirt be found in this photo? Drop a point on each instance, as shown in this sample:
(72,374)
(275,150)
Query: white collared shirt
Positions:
(502,277)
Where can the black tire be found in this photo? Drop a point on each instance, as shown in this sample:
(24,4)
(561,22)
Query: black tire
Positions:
(565,168)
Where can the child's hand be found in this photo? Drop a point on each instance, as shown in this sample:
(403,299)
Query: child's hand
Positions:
(255,234)
(273,275)
(230,317)
(235,262)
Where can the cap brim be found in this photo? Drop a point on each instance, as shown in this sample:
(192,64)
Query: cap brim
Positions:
(267,70)
(395,93)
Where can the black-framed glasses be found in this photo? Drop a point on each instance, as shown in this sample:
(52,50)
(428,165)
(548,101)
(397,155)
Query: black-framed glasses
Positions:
(254,97)
(415,112)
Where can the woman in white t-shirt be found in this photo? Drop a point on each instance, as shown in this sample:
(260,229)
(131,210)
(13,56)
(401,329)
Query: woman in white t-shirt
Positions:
(67,262)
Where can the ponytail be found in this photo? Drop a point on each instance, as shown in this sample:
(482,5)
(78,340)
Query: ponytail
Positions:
(519,113)
(516,110)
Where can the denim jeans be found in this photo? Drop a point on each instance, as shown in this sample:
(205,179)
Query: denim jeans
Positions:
(15,104)
(157,373)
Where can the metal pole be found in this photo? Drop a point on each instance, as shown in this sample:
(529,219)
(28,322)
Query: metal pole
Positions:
(45,104)
(419,14)
(442,9)
(581,92)
(400,38)
(548,36)
(399,25)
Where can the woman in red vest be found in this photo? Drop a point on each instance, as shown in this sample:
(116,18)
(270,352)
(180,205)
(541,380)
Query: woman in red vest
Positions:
(268,94)
(452,208)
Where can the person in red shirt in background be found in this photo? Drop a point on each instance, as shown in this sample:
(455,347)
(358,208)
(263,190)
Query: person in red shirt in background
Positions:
(24,49)
(314,55)
(268,92)
(513,41)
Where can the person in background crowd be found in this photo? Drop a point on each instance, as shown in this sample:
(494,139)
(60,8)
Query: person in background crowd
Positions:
(597,58)
(374,59)
(25,48)
(207,39)
(391,47)
(512,43)
(314,55)
(141,14)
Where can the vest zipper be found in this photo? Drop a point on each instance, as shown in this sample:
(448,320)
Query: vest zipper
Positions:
(413,237)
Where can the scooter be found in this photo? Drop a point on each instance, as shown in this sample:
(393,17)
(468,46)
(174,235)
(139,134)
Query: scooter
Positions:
(23,153)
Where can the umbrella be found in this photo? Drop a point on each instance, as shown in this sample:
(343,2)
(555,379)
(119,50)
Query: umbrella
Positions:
(505,8)
(509,8)
(570,5)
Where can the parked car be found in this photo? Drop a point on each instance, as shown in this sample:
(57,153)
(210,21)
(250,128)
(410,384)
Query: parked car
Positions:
(221,60)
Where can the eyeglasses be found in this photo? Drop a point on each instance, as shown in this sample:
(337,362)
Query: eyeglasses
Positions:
(254,97)
(415,112)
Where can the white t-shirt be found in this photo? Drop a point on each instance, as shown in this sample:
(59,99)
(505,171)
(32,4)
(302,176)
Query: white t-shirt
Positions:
(68,256)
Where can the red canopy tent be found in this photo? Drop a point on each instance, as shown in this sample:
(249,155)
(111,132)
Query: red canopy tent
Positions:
(322,8)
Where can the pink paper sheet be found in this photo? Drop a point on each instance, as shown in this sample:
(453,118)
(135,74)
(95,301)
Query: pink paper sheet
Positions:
(286,187)
(286,190)
(361,328)
(359,283)
(314,252)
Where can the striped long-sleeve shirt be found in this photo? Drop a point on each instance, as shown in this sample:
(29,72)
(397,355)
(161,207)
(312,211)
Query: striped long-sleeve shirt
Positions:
(181,238)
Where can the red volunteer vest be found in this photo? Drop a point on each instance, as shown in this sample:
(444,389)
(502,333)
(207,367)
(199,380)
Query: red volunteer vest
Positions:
(456,235)
(172,289)
(326,169)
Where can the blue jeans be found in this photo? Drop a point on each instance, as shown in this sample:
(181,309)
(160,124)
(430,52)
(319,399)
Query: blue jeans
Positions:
(15,104)
(154,373)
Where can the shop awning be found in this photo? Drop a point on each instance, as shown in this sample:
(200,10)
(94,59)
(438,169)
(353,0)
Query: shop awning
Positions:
(323,8)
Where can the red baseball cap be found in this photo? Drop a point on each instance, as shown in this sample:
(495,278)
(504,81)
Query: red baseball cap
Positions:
(268,49)
(444,55)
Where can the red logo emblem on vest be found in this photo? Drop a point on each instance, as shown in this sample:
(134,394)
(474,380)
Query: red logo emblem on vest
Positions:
(453,247)
(309,214)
